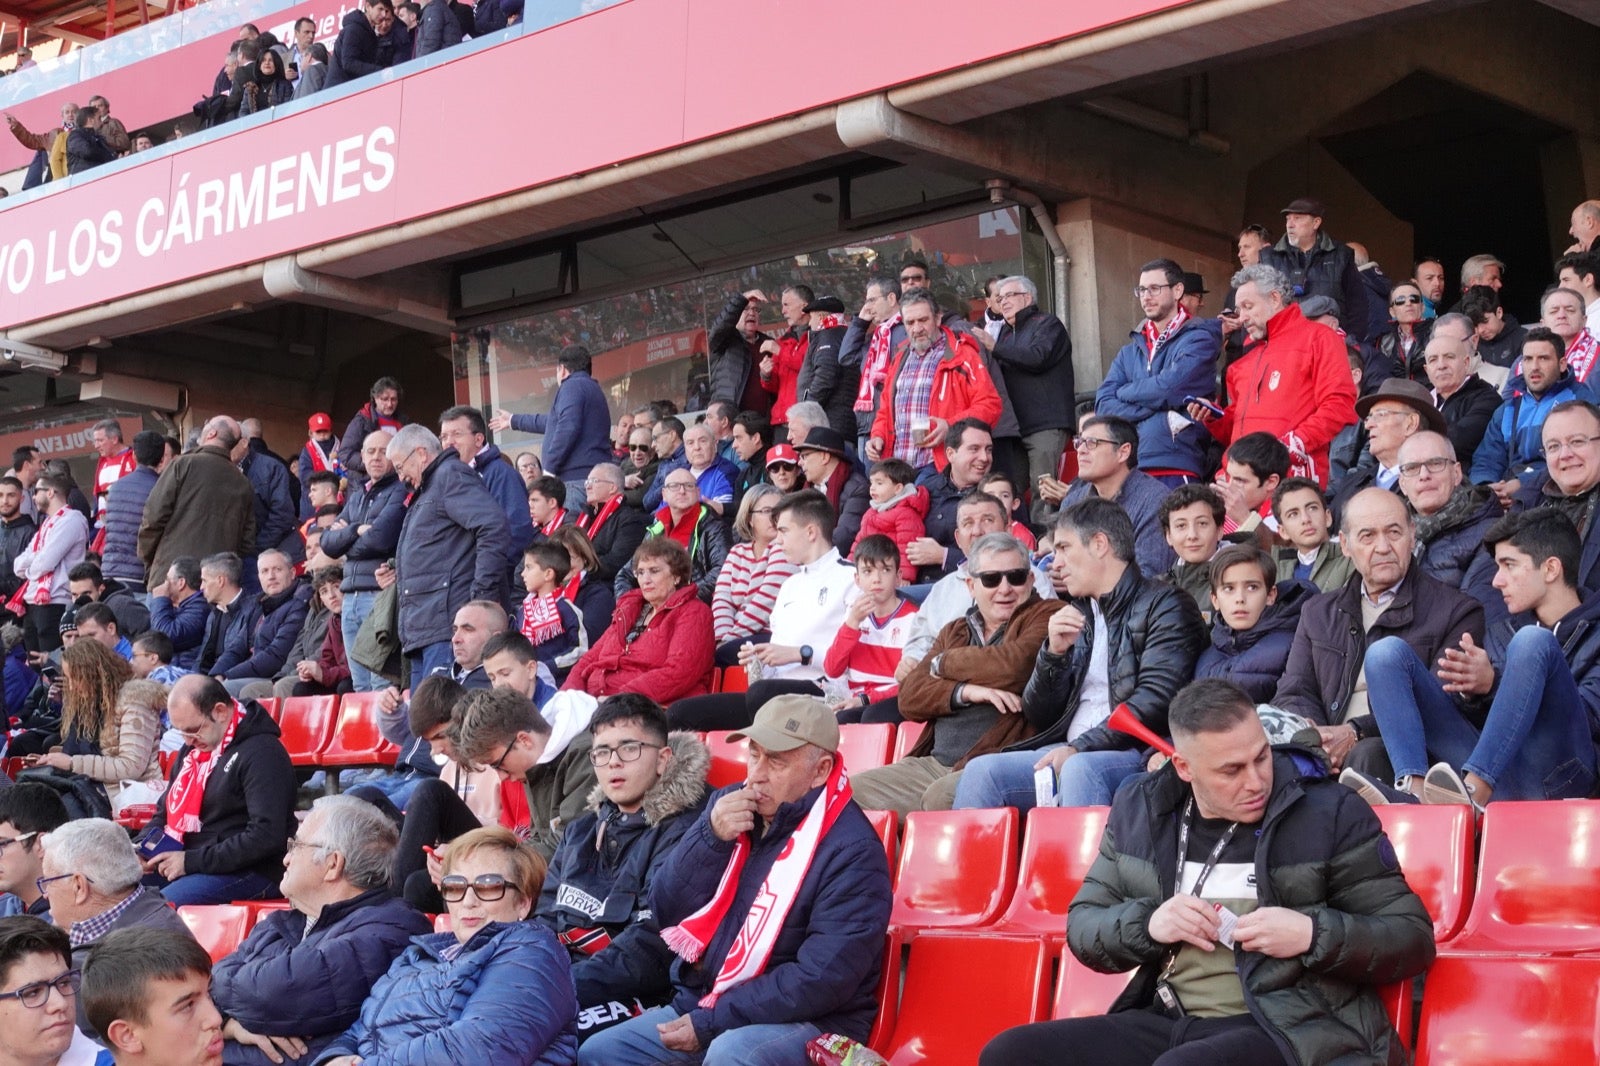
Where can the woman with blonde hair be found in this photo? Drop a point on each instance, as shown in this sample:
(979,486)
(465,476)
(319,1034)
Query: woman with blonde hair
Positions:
(747,584)
(110,720)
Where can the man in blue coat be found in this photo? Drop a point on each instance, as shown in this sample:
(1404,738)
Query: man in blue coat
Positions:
(179,609)
(1169,359)
(577,431)
(817,971)
(300,977)
(462,427)
(281,611)
(274,504)
(125,510)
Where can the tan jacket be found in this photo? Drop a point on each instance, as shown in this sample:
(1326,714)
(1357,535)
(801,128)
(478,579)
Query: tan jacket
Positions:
(128,740)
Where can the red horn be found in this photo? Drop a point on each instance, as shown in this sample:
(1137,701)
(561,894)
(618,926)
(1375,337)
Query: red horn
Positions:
(1123,720)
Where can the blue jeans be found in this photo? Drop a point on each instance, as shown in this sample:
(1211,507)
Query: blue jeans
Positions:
(357,606)
(428,659)
(1087,779)
(192,890)
(577,497)
(636,1043)
(1535,743)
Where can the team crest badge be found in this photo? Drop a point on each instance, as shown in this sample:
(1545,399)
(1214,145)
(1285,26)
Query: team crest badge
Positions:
(1272,382)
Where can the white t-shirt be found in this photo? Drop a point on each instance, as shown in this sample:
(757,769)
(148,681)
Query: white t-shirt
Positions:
(1094,697)
(809,610)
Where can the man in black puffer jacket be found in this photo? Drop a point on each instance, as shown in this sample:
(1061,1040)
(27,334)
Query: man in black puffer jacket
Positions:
(355,50)
(734,341)
(823,379)
(1318,265)
(1255,947)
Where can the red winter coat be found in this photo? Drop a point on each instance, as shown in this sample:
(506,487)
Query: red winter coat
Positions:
(785,380)
(671,659)
(962,388)
(901,522)
(1297,381)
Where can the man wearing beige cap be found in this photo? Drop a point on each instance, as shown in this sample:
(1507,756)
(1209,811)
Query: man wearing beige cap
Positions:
(753,983)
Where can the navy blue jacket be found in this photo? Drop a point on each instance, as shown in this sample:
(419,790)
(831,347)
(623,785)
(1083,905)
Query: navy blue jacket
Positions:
(1035,358)
(577,431)
(277,626)
(275,509)
(596,602)
(185,625)
(1254,659)
(284,981)
(1579,635)
(1141,497)
(354,54)
(366,420)
(452,549)
(508,490)
(1457,556)
(124,511)
(383,507)
(1144,393)
(227,639)
(824,967)
(506,999)
(438,28)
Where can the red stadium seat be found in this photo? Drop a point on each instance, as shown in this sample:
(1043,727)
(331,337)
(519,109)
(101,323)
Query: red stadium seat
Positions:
(166,759)
(887,994)
(956,869)
(307,723)
(273,706)
(1085,993)
(1499,1011)
(961,990)
(356,740)
(1057,850)
(865,746)
(905,738)
(727,759)
(441,922)
(12,766)
(1538,881)
(884,823)
(1434,844)
(219,929)
(260,908)
(734,679)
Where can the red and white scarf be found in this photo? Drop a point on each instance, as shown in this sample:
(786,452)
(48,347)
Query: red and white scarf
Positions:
(37,589)
(591,524)
(324,460)
(1154,340)
(189,787)
(875,367)
(748,955)
(554,523)
(1581,356)
(541,619)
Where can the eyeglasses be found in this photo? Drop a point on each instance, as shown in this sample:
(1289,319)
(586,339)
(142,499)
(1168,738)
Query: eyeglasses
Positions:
(1080,443)
(592,482)
(627,751)
(25,839)
(1437,465)
(1142,291)
(40,882)
(1388,413)
(503,756)
(297,843)
(762,510)
(34,996)
(1571,444)
(1400,301)
(914,279)
(990,579)
(678,486)
(487,887)
(1017,295)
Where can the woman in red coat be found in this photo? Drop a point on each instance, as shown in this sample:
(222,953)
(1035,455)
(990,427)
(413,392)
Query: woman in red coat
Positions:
(660,642)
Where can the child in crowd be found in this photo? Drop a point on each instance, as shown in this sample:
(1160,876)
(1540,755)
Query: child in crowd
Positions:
(999,485)
(899,508)
(548,621)
(1303,520)
(1255,620)
(1255,464)
(1191,517)
(877,624)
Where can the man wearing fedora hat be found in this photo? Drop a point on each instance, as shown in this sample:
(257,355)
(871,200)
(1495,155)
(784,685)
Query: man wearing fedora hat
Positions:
(823,378)
(1318,265)
(828,470)
(1397,410)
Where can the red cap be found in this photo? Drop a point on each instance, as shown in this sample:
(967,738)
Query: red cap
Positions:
(319,422)
(782,453)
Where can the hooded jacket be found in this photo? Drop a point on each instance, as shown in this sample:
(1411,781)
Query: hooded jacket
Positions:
(500,477)
(962,388)
(1146,392)
(600,881)
(1327,269)
(228,634)
(671,659)
(354,55)
(247,811)
(1579,636)
(1254,659)
(901,519)
(1035,358)
(200,505)
(1450,545)
(285,980)
(381,505)
(128,739)
(1319,850)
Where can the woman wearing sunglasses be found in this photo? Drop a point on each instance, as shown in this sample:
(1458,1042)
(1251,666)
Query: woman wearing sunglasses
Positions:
(496,989)
(1403,343)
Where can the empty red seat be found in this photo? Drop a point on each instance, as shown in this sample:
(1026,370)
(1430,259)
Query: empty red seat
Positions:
(727,759)
(1538,881)
(905,738)
(1501,1011)
(441,922)
(883,822)
(1434,844)
(956,869)
(12,766)
(306,723)
(356,740)
(273,706)
(1085,993)
(734,679)
(219,928)
(961,990)
(1057,850)
(865,746)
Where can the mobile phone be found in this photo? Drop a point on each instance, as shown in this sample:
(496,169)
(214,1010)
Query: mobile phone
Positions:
(1207,404)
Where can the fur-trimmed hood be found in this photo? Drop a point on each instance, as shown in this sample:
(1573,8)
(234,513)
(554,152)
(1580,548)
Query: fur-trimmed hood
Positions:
(680,788)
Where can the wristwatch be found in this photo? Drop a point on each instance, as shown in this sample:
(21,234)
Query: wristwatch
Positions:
(805,655)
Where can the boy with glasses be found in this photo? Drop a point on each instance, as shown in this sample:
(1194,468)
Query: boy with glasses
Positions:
(27,812)
(38,993)
(595,897)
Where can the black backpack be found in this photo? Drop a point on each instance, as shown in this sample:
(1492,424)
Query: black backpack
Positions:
(83,797)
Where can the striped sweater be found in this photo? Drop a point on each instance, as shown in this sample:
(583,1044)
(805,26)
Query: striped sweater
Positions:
(746,589)
(866,656)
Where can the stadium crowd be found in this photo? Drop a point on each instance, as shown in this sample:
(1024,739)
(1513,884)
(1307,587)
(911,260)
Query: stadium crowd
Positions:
(1333,547)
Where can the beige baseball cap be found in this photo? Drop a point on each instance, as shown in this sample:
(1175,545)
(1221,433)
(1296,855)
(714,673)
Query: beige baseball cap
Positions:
(785,722)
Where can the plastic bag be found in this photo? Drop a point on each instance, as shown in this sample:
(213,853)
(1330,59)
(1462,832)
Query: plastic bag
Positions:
(831,1049)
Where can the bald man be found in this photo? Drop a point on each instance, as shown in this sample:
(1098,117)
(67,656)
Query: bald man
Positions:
(200,505)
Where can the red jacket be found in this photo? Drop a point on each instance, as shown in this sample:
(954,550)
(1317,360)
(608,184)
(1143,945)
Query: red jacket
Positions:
(1296,381)
(785,380)
(901,522)
(962,388)
(671,659)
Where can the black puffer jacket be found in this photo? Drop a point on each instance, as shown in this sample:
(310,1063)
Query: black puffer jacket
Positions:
(1328,269)
(1329,645)
(1466,414)
(1155,637)
(1319,851)
(1254,659)
(354,55)
(733,358)
(824,380)
(439,28)
(1035,359)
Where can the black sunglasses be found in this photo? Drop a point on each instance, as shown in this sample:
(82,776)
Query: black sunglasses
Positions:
(1015,578)
(1399,300)
(487,887)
